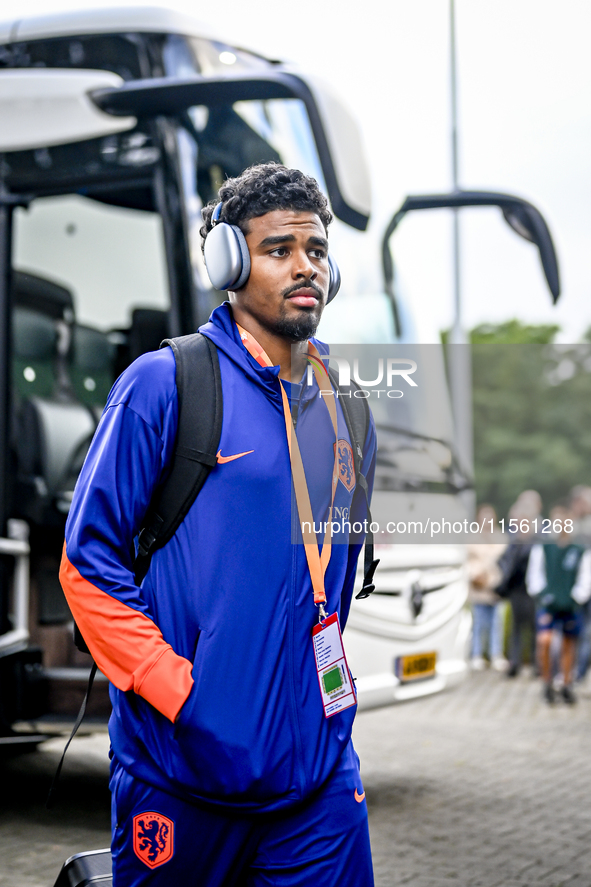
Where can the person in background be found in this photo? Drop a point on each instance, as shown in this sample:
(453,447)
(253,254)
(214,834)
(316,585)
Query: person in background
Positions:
(530,502)
(559,577)
(513,564)
(580,504)
(484,575)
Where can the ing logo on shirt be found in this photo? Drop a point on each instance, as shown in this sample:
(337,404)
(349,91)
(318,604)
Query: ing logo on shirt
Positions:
(346,464)
(153,838)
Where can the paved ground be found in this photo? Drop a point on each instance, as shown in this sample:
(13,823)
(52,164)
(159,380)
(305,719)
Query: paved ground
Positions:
(483,786)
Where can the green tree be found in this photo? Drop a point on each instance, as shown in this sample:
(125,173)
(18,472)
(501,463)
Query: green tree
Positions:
(532,413)
(513,332)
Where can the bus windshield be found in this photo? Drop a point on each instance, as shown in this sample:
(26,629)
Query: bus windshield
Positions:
(411,410)
(221,141)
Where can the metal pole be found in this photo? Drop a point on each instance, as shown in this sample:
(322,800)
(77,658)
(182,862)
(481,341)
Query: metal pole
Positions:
(5,351)
(458,332)
(459,360)
(6,210)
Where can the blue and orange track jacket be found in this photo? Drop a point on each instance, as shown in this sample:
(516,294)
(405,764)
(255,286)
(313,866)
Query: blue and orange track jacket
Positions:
(213,680)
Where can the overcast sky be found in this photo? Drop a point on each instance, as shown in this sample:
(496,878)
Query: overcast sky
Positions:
(525,127)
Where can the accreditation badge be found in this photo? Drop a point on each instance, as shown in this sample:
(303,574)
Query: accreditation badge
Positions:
(336,688)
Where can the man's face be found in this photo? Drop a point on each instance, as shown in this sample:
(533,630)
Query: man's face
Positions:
(288,284)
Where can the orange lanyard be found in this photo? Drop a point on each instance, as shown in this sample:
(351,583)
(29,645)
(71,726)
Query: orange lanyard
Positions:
(317,562)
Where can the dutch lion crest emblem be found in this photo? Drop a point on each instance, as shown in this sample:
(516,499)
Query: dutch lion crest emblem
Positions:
(153,838)
(346,465)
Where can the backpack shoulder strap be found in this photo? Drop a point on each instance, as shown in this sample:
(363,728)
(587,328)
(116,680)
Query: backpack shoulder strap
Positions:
(357,417)
(199,391)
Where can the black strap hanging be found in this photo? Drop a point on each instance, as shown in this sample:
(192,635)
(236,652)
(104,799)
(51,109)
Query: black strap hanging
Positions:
(53,789)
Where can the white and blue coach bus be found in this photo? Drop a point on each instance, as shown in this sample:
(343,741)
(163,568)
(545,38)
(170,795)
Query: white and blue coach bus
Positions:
(116,126)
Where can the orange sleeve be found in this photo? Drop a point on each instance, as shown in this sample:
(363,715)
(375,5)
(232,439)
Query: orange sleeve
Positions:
(127,646)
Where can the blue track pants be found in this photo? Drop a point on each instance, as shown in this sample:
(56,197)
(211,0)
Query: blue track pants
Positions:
(160,840)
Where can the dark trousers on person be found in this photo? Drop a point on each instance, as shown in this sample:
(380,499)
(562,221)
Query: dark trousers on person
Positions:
(584,651)
(523,634)
(163,841)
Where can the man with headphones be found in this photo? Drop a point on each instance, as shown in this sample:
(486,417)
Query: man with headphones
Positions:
(232,761)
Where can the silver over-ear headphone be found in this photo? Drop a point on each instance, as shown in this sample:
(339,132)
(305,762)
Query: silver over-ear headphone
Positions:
(227,258)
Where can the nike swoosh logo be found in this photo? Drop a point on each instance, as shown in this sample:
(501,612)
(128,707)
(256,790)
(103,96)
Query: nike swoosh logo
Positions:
(221,459)
(359,797)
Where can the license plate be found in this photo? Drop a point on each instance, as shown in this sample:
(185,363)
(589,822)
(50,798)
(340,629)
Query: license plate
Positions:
(412,668)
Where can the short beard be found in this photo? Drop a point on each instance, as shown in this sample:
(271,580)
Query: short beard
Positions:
(297,329)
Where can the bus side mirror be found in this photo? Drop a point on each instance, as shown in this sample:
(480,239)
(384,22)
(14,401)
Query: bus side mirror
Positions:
(335,132)
(522,216)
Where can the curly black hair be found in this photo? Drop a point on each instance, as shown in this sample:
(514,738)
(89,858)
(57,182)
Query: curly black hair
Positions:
(261,189)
